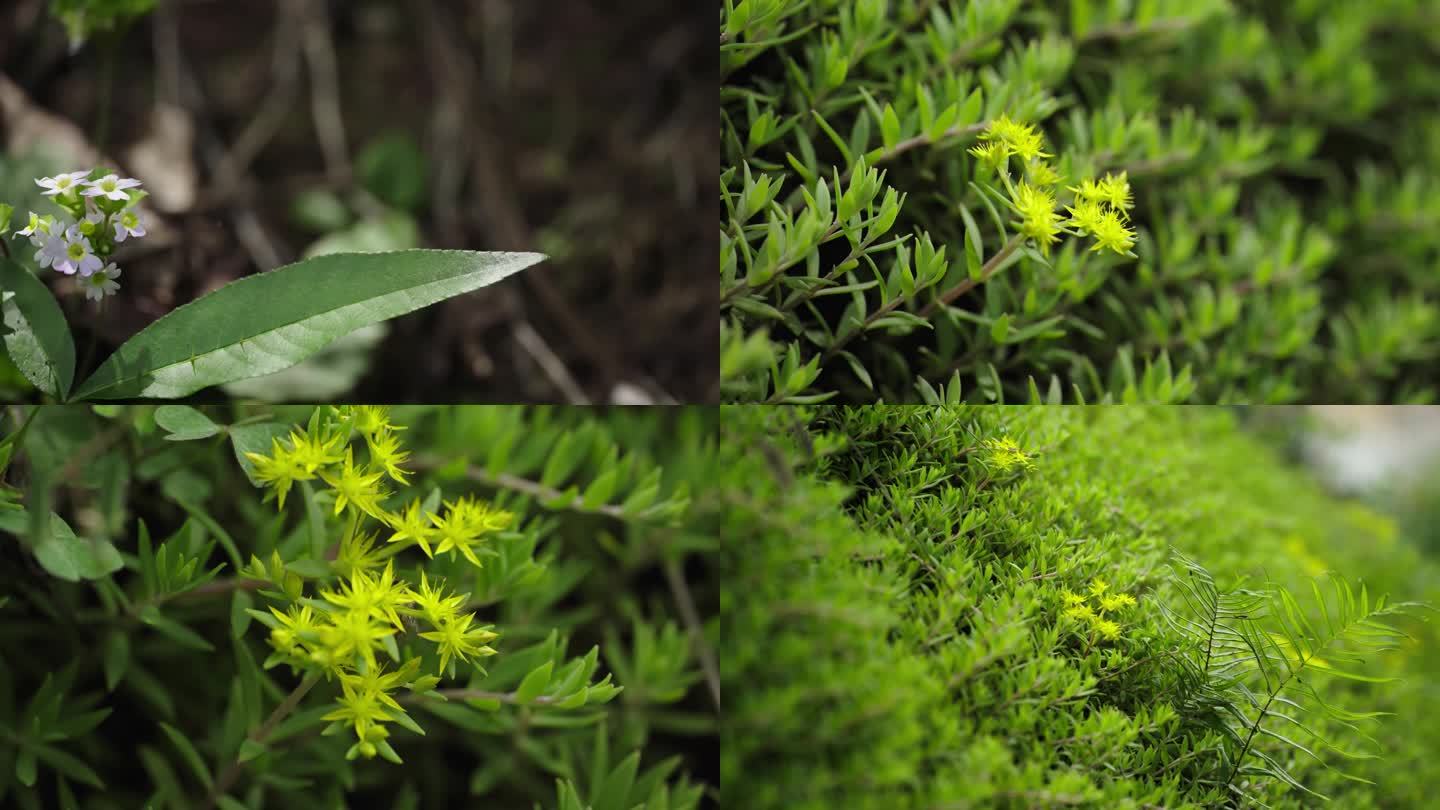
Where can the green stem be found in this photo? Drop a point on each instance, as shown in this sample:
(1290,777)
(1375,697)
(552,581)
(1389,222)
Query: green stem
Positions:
(232,772)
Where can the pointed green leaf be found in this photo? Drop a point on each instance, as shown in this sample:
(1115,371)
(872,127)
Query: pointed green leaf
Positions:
(268,322)
(534,683)
(188,753)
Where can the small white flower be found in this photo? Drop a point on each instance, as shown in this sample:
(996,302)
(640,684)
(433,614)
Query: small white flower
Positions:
(98,285)
(111,186)
(62,183)
(51,252)
(128,224)
(38,230)
(78,255)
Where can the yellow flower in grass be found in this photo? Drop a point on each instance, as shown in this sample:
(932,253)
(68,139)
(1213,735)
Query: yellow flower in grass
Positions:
(356,486)
(1115,601)
(1111,233)
(432,603)
(465,524)
(279,470)
(456,639)
(1038,219)
(413,525)
(1004,454)
(386,454)
(296,626)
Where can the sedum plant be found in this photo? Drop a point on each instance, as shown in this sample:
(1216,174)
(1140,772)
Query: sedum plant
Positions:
(1003,607)
(1278,202)
(251,327)
(509,601)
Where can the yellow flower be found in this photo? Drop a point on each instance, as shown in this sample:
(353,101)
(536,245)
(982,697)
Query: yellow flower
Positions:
(1106,628)
(352,633)
(1111,233)
(1005,454)
(313,452)
(372,419)
(465,524)
(1098,587)
(1080,613)
(296,624)
(279,470)
(1115,601)
(1041,174)
(1085,215)
(432,603)
(1072,599)
(386,454)
(353,485)
(362,707)
(1037,213)
(1116,191)
(993,153)
(414,525)
(1019,139)
(456,640)
(1089,190)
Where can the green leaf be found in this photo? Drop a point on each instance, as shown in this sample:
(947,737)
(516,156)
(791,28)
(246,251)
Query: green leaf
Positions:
(73,558)
(264,323)
(68,765)
(38,339)
(239,613)
(394,169)
(184,423)
(116,658)
(255,439)
(25,767)
(175,630)
(534,683)
(249,749)
(188,753)
(310,569)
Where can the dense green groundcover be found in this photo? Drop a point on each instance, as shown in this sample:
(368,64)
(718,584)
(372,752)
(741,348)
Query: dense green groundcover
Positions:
(932,608)
(142,665)
(1284,158)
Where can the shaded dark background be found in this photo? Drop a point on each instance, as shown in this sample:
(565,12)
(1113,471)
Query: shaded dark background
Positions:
(582,129)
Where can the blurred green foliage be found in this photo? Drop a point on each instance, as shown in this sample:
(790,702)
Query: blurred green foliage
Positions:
(907,611)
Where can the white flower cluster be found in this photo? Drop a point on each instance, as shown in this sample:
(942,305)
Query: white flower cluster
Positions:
(99,214)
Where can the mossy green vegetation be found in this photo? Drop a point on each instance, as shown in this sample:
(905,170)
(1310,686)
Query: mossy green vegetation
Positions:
(1029,606)
(1274,243)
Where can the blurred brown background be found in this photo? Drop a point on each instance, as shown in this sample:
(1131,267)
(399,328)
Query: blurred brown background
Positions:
(582,129)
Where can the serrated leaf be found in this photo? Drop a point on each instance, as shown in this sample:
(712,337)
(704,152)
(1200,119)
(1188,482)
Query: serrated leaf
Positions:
(271,321)
(36,338)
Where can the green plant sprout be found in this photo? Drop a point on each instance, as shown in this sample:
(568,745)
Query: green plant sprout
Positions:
(255,326)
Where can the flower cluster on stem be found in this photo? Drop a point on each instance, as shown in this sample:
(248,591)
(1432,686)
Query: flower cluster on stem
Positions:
(97,213)
(362,631)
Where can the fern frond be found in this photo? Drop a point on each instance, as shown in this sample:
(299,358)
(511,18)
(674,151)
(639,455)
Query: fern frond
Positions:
(1242,636)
